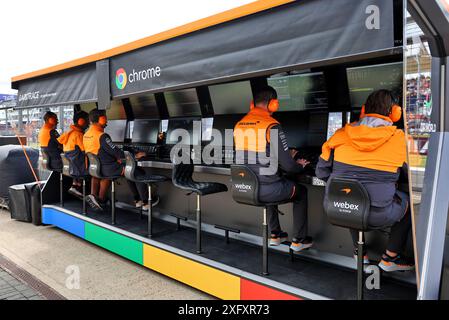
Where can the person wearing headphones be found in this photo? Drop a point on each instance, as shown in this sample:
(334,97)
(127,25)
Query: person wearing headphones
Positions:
(373,151)
(256,136)
(112,161)
(73,148)
(48,139)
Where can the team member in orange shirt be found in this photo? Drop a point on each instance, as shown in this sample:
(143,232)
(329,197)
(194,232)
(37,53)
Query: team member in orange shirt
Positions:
(111,157)
(373,151)
(73,148)
(48,139)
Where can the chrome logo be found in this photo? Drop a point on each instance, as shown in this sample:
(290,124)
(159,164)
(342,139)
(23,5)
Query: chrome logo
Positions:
(121,79)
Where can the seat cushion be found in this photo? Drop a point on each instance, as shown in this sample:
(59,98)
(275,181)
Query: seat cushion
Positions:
(150,178)
(205,188)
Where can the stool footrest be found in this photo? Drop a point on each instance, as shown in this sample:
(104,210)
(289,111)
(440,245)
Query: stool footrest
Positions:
(178,216)
(227,228)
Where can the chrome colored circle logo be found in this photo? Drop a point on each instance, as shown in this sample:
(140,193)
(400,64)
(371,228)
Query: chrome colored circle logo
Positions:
(121,79)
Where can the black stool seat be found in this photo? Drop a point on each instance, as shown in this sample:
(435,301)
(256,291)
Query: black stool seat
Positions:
(131,174)
(348,205)
(67,170)
(182,178)
(95,171)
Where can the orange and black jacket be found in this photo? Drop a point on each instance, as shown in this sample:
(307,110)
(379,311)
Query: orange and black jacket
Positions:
(372,151)
(253,136)
(73,148)
(98,142)
(48,141)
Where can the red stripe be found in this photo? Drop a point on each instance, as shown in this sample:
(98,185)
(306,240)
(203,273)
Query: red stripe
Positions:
(253,291)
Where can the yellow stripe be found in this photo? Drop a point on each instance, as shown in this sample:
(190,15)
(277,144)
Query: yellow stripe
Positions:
(215,282)
(222,17)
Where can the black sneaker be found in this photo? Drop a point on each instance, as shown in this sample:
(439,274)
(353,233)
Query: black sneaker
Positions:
(93,203)
(397,263)
(278,237)
(301,244)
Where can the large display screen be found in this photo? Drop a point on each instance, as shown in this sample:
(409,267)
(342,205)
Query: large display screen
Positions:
(364,80)
(145,131)
(144,106)
(182,103)
(334,122)
(231,98)
(186,124)
(116,130)
(300,92)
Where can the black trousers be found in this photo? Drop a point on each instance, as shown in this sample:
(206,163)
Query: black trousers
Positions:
(400,228)
(300,220)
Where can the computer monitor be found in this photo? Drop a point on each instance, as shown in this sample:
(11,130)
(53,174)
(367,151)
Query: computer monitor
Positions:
(300,92)
(182,103)
(145,131)
(364,80)
(206,129)
(191,125)
(144,106)
(117,130)
(223,122)
(231,98)
(305,128)
(334,122)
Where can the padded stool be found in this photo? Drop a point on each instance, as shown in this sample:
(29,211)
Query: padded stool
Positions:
(245,190)
(95,171)
(348,205)
(67,169)
(130,174)
(182,178)
(46,164)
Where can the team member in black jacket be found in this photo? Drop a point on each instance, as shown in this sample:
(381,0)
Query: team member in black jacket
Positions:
(111,157)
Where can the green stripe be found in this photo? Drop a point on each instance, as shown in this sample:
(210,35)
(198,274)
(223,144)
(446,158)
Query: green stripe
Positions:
(119,244)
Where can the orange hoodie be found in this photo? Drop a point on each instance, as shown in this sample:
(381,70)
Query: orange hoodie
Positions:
(379,148)
(72,138)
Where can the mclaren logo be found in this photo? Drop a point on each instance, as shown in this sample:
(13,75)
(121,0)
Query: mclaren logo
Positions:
(346,190)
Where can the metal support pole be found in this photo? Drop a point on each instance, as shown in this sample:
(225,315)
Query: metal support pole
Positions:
(61,182)
(150,212)
(84,196)
(198,224)
(360,267)
(227,236)
(178,224)
(113,201)
(265,244)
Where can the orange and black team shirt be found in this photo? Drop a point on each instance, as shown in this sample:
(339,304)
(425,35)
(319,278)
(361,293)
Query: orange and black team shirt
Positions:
(372,151)
(98,142)
(48,141)
(73,148)
(253,135)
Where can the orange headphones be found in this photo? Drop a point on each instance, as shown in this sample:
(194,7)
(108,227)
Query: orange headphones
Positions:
(273,105)
(81,122)
(395,113)
(52,120)
(102,120)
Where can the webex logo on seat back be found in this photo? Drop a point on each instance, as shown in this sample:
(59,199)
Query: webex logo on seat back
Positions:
(242,187)
(346,205)
(122,78)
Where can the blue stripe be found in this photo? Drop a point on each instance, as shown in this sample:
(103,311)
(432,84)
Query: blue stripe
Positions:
(63,221)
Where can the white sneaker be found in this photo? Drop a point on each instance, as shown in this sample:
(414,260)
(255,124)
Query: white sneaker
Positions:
(93,203)
(138,203)
(75,192)
(155,202)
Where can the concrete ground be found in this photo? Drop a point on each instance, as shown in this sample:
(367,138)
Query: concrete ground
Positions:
(47,253)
